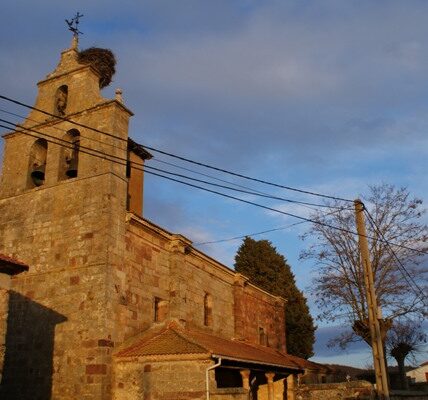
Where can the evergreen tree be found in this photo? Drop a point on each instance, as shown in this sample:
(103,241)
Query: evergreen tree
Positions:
(266,268)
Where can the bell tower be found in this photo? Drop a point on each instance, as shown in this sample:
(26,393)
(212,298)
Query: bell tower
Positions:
(63,202)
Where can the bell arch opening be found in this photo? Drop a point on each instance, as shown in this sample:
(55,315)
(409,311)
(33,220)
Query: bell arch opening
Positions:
(37,163)
(69,155)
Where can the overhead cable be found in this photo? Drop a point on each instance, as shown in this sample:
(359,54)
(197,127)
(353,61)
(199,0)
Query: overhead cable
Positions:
(407,276)
(123,162)
(281,228)
(183,158)
(253,191)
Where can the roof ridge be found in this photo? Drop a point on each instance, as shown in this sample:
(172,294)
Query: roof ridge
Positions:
(146,341)
(133,341)
(181,331)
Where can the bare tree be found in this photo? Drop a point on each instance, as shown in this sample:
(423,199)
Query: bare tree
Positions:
(405,339)
(339,284)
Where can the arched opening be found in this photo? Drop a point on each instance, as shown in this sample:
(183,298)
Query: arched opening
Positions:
(37,163)
(61,97)
(69,155)
(208,310)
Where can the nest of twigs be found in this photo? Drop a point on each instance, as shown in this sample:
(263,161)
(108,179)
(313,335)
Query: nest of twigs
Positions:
(102,60)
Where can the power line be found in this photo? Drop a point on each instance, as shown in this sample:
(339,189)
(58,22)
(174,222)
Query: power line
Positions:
(154,159)
(249,234)
(406,275)
(183,158)
(401,267)
(252,191)
(380,233)
(67,144)
(256,204)
(281,228)
(61,118)
(255,193)
(94,152)
(245,176)
(201,173)
(57,127)
(103,155)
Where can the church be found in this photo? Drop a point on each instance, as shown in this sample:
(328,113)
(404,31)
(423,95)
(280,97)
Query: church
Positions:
(102,303)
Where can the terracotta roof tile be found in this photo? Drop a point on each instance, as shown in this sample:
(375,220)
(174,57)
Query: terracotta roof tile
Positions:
(168,341)
(10,266)
(306,364)
(177,340)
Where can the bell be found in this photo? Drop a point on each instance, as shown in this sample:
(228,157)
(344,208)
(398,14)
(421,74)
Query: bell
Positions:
(38,175)
(71,171)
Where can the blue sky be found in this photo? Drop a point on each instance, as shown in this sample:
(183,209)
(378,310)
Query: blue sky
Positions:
(326,96)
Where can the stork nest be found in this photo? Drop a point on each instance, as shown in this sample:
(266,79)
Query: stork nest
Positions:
(102,60)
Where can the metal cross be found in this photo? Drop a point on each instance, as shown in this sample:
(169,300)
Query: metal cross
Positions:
(73,25)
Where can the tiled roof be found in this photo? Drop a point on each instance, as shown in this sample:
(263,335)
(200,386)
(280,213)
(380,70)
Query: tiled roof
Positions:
(175,340)
(166,342)
(10,266)
(242,350)
(306,364)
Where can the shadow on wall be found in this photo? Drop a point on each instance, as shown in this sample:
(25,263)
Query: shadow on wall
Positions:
(28,364)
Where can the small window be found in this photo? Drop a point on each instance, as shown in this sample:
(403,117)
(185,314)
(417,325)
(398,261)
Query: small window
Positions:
(160,309)
(37,163)
(208,310)
(262,336)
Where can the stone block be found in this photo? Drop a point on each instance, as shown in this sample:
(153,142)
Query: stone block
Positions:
(96,369)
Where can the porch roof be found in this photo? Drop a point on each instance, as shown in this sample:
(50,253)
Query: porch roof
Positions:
(173,339)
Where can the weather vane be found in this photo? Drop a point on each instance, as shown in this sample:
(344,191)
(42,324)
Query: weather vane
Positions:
(73,25)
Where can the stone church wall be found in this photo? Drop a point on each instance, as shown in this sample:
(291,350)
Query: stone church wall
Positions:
(256,310)
(157,266)
(163,265)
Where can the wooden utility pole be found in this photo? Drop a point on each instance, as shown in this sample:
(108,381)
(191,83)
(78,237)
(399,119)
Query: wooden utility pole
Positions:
(375,332)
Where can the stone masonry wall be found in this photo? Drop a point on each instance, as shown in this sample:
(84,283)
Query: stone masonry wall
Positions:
(156,267)
(58,340)
(339,391)
(255,309)
(163,265)
(194,276)
(161,380)
(229,394)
